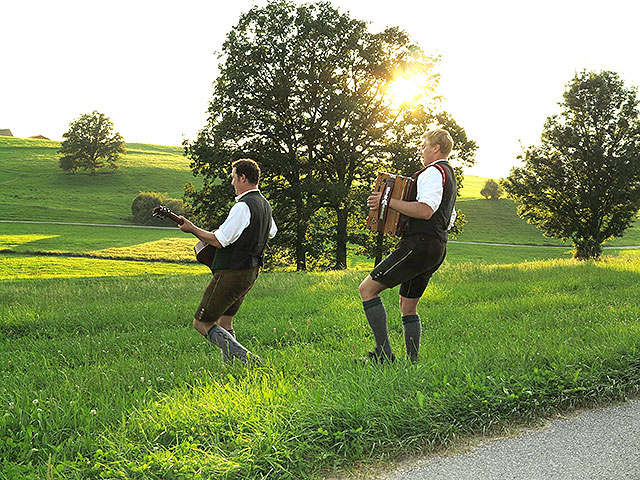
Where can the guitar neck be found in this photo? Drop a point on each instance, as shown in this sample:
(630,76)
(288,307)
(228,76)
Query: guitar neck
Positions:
(175,218)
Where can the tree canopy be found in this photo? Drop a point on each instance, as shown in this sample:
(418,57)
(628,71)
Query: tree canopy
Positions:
(583,181)
(304,91)
(491,190)
(91,144)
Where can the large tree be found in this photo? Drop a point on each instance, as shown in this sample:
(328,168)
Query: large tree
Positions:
(304,91)
(583,181)
(90,144)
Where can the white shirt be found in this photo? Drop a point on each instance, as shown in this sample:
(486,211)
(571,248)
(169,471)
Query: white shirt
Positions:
(430,190)
(238,219)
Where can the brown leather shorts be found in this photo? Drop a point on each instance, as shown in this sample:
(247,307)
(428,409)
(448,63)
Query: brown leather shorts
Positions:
(411,264)
(225,293)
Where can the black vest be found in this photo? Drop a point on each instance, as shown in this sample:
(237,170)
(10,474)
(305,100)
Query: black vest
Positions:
(248,250)
(438,224)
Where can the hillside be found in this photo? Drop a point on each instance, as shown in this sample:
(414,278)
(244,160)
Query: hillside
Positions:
(34,188)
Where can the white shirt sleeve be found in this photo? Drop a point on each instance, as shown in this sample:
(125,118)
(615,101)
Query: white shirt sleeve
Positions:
(237,220)
(430,191)
(430,188)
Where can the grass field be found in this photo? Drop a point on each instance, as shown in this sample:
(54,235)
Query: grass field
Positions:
(33,187)
(102,376)
(497,221)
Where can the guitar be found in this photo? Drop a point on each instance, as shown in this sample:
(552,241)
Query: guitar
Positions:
(204,252)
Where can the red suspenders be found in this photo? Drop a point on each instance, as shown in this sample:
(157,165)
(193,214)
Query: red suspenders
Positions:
(439,167)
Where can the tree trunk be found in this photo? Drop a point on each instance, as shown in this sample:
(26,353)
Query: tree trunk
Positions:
(586,248)
(301,231)
(341,238)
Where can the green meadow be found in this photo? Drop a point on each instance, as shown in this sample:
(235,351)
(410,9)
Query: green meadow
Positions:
(33,187)
(103,377)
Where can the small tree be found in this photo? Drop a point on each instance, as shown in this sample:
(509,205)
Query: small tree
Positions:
(583,182)
(90,144)
(491,190)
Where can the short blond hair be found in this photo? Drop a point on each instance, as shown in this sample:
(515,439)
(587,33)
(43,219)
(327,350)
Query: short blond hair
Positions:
(439,136)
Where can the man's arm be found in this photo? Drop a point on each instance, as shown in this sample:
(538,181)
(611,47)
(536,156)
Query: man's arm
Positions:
(410,209)
(207,237)
(273,229)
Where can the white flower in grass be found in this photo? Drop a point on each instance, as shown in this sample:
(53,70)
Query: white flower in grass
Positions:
(35,402)
(93,411)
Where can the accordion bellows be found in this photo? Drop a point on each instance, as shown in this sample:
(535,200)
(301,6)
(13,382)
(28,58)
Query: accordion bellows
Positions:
(385,219)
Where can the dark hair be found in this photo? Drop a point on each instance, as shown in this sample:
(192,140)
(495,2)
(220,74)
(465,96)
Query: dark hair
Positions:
(248,168)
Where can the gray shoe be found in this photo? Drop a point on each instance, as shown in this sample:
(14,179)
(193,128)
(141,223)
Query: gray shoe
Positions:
(248,358)
(376,358)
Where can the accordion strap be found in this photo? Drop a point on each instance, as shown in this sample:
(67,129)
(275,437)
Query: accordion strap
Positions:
(439,167)
(443,172)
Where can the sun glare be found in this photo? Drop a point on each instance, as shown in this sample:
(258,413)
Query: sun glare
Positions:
(407,89)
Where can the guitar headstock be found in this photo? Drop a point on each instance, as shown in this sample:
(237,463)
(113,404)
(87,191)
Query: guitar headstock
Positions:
(165,212)
(162,211)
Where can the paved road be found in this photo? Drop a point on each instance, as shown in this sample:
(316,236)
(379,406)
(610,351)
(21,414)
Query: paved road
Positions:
(602,444)
(173,228)
(539,246)
(89,224)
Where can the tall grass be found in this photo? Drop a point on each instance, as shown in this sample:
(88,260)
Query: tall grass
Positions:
(105,378)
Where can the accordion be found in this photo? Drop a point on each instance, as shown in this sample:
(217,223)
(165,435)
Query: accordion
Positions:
(384,219)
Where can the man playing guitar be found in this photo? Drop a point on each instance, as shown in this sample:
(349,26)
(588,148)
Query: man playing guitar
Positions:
(240,242)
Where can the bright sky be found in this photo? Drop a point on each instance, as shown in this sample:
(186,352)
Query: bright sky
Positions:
(150,65)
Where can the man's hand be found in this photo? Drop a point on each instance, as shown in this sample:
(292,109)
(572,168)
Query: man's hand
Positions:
(206,237)
(410,209)
(374,200)
(187,226)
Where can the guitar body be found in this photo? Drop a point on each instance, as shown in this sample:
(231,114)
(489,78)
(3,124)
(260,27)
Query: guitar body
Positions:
(204,252)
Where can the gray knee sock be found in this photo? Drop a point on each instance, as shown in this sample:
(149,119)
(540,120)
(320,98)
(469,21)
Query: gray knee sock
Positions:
(229,345)
(377,318)
(225,355)
(412,329)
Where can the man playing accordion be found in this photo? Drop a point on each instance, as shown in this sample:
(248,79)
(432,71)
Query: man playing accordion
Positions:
(421,250)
